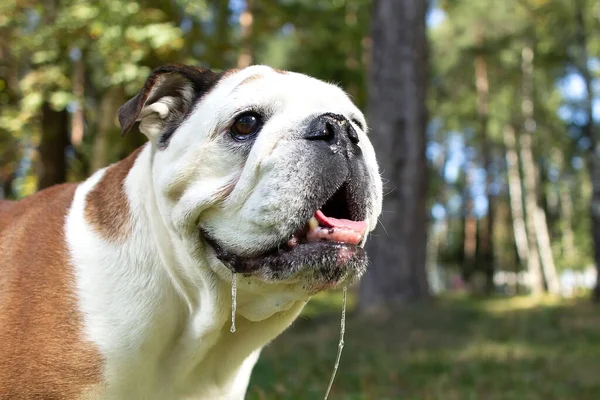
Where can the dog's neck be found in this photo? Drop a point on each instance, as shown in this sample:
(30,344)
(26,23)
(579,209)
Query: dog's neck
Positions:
(186,315)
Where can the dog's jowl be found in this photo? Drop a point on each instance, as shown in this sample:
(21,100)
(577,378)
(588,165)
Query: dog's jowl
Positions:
(119,287)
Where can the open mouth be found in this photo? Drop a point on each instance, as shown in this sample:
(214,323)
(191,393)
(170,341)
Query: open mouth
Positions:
(331,223)
(329,245)
(329,229)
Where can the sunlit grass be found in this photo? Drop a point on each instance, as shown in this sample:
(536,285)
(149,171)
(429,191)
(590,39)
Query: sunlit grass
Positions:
(456,348)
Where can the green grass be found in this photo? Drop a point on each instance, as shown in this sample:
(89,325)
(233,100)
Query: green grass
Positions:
(455,348)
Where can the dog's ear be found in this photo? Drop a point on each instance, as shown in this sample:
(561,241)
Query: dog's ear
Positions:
(166,98)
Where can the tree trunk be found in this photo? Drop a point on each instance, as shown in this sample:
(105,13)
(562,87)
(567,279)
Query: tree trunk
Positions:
(10,152)
(246,56)
(543,238)
(78,118)
(469,232)
(438,229)
(398,117)
(6,189)
(566,209)
(516,195)
(591,133)
(537,227)
(108,129)
(529,172)
(52,163)
(487,233)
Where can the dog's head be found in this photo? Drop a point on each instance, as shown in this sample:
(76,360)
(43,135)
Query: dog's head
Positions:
(272,171)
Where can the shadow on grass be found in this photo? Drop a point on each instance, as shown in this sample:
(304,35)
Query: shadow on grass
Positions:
(455,348)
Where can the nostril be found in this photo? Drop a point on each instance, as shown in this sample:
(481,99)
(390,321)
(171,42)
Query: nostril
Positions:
(325,132)
(330,130)
(352,134)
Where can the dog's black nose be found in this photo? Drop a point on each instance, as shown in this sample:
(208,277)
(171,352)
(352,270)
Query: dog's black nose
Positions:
(334,129)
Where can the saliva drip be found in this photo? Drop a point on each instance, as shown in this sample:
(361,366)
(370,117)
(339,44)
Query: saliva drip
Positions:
(233,300)
(340,343)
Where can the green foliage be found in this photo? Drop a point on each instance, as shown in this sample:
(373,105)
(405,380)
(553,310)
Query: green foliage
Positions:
(497,34)
(457,349)
(339,42)
(117,43)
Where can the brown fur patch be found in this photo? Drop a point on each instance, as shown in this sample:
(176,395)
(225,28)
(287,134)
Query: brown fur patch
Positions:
(106,205)
(280,71)
(43,354)
(251,78)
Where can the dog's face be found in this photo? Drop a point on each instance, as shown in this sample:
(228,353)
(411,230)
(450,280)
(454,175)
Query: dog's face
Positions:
(270,172)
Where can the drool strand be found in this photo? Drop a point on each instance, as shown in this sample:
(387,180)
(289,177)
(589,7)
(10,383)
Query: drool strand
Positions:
(340,343)
(233,300)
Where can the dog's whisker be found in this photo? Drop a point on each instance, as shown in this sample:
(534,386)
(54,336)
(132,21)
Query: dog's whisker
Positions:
(390,191)
(383,226)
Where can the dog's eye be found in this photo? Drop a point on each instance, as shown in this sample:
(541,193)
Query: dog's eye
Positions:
(246,126)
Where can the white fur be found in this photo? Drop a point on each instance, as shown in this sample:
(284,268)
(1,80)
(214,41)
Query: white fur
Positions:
(158,305)
(151,117)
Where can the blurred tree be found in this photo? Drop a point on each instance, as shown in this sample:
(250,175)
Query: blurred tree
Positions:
(470,230)
(52,165)
(516,196)
(468,74)
(398,76)
(71,64)
(286,35)
(69,54)
(10,151)
(458,104)
(581,61)
(246,54)
(529,171)
(482,86)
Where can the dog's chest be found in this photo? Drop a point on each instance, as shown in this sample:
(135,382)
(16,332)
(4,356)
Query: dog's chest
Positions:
(215,365)
(202,360)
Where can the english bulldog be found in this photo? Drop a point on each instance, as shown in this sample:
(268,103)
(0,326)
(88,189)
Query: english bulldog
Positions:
(119,287)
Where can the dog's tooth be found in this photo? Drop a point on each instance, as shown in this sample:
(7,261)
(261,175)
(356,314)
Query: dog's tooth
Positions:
(313,223)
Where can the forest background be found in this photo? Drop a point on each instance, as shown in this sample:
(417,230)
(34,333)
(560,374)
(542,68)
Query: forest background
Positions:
(484,115)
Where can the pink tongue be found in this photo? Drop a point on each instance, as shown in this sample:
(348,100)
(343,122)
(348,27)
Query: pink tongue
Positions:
(336,230)
(357,226)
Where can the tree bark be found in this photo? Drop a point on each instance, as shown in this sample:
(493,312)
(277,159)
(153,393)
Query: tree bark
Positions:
(590,132)
(516,195)
(398,117)
(438,229)
(543,238)
(487,233)
(6,189)
(54,129)
(469,231)
(78,117)
(529,172)
(537,227)
(52,163)
(566,209)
